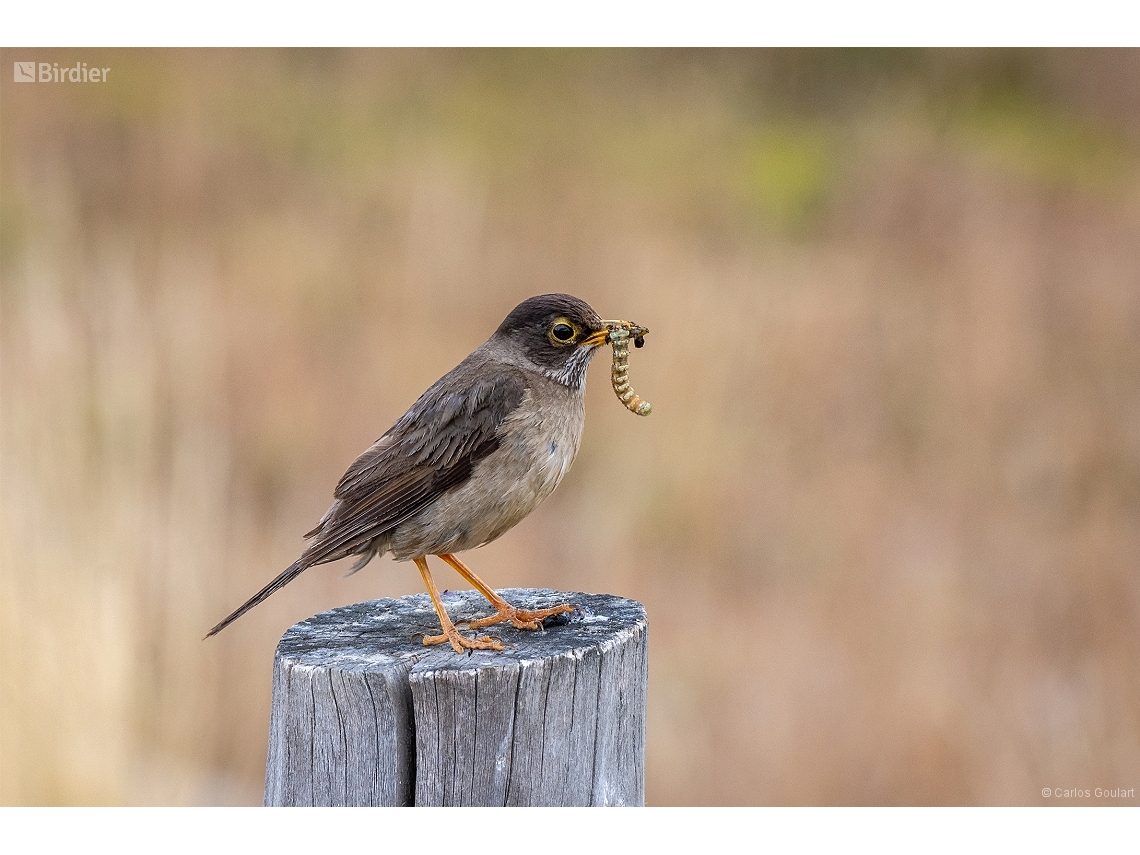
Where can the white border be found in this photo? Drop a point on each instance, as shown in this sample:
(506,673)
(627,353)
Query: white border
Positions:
(211,830)
(637,23)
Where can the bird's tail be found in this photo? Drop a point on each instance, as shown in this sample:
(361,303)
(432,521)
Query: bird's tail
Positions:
(286,576)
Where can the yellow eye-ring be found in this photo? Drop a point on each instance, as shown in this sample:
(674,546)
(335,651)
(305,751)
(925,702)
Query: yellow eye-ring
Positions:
(563,332)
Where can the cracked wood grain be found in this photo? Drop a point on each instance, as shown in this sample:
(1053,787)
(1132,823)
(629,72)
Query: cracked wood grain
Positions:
(363,714)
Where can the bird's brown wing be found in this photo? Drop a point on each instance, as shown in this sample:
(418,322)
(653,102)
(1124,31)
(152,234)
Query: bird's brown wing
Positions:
(444,426)
(431,449)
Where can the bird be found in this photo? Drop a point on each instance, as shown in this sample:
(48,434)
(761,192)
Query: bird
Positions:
(479,450)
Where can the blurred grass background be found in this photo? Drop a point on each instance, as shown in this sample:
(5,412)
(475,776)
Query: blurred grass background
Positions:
(885,516)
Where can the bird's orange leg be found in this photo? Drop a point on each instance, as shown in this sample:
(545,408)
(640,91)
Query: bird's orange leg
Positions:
(504,611)
(450,633)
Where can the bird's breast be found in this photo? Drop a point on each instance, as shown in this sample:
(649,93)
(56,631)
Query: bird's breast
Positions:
(537,444)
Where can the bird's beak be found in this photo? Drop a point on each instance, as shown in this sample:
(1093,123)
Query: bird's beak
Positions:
(603,336)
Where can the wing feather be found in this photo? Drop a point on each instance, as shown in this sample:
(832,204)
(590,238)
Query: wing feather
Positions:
(433,448)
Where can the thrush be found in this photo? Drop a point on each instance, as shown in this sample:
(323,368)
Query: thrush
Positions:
(472,457)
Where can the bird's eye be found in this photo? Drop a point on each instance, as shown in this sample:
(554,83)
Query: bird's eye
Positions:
(562,332)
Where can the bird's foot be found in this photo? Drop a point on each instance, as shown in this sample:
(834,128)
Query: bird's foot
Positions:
(520,618)
(460,642)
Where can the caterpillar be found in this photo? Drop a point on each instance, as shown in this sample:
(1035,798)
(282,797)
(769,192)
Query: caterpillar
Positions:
(620,334)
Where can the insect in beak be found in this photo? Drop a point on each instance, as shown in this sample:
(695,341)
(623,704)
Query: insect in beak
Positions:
(618,334)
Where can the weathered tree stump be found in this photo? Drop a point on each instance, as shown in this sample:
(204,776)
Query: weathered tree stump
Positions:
(364,714)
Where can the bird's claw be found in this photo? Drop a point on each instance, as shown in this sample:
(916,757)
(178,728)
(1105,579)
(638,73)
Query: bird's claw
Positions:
(520,618)
(460,642)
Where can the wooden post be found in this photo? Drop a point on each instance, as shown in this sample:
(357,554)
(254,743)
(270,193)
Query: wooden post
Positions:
(364,714)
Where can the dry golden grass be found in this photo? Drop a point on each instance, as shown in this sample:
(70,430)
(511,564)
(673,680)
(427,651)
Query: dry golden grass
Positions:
(885,516)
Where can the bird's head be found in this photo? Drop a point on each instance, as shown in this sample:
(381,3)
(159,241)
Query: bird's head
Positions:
(556,334)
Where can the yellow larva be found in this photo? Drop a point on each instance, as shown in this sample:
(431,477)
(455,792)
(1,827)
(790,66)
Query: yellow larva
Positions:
(619,374)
